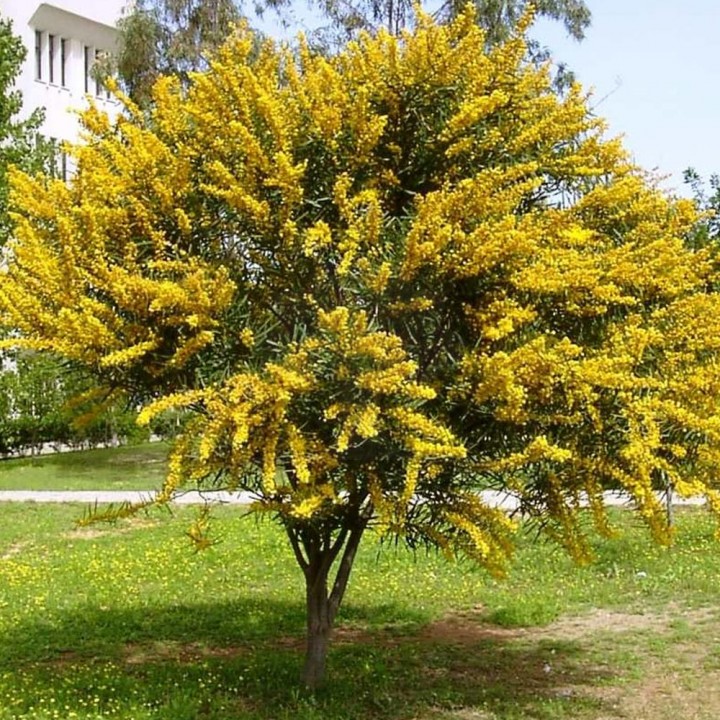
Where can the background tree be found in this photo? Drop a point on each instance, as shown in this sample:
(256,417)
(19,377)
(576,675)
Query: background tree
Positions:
(21,144)
(497,17)
(36,391)
(172,37)
(46,403)
(707,198)
(377,283)
(161,37)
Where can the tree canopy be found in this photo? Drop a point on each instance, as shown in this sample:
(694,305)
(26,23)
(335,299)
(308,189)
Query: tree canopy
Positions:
(377,283)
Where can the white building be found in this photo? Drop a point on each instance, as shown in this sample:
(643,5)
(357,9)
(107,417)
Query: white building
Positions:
(63,39)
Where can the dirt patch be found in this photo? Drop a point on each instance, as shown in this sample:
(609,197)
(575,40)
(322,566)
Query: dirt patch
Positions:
(612,621)
(460,714)
(94,532)
(668,696)
(13,550)
(164,651)
(137,460)
(661,695)
(469,628)
(678,681)
(86,533)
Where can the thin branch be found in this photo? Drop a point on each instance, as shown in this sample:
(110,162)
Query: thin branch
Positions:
(309,542)
(287,324)
(438,343)
(333,550)
(302,561)
(442,9)
(343,573)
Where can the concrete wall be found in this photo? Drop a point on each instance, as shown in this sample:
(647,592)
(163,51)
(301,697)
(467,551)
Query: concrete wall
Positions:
(62,38)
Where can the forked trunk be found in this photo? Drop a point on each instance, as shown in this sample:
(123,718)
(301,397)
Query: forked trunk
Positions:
(322,602)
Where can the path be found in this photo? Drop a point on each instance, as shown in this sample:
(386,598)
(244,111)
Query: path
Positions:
(491,497)
(121,496)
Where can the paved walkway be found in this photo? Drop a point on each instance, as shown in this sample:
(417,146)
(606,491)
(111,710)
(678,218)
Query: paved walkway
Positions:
(494,498)
(121,496)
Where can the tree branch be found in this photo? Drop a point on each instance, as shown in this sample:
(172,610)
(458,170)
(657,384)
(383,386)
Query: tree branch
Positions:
(295,543)
(333,550)
(343,572)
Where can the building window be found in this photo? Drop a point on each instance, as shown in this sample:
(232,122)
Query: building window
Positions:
(51,58)
(55,166)
(63,61)
(87,55)
(98,84)
(38,55)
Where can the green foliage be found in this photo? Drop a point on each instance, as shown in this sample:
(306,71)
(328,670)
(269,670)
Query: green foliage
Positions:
(39,405)
(496,17)
(20,143)
(30,404)
(171,37)
(707,197)
(129,467)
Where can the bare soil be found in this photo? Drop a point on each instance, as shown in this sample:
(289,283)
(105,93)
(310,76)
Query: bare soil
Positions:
(13,550)
(92,532)
(677,680)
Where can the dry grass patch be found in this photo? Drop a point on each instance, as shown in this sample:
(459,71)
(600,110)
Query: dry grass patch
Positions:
(184,653)
(13,550)
(122,527)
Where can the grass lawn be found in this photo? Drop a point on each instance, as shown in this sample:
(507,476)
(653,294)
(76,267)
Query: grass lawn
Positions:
(136,467)
(126,621)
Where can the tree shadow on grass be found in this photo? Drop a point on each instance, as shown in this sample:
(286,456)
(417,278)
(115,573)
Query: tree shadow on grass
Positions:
(243,659)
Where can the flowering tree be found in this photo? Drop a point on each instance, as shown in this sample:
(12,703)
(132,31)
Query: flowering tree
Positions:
(377,283)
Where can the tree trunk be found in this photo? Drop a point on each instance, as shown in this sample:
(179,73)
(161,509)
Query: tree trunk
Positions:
(319,625)
(322,603)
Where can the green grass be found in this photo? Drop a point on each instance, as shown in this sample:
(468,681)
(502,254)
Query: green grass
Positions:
(136,467)
(126,621)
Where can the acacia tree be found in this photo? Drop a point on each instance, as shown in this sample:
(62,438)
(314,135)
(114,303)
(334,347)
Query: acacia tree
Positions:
(378,282)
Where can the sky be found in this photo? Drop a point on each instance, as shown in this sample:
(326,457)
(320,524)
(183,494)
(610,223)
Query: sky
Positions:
(654,66)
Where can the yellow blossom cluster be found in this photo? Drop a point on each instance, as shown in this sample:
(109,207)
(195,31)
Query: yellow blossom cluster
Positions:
(105,280)
(255,419)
